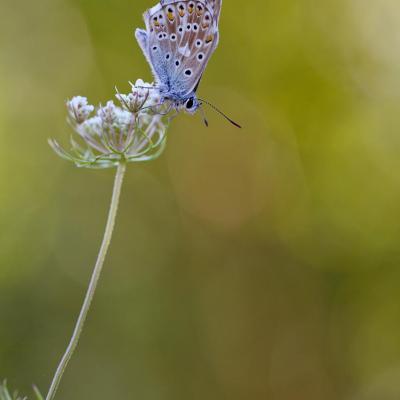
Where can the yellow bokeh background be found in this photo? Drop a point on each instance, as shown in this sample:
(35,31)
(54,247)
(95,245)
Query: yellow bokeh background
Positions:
(260,263)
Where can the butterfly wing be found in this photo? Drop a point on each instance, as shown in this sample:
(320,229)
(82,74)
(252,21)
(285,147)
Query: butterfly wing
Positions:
(179,40)
(216,6)
(142,38)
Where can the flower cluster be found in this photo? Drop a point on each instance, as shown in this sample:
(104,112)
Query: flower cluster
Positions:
(131,132)
(142,95)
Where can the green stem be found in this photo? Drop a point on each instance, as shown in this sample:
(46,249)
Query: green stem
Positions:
(93,282)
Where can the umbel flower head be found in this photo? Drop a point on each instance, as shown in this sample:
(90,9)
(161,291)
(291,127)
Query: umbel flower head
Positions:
(110,134)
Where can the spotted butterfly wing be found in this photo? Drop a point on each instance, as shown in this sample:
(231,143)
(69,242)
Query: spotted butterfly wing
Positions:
(179,39)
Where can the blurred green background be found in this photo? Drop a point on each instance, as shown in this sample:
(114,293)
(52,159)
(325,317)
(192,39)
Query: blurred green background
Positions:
(252,264)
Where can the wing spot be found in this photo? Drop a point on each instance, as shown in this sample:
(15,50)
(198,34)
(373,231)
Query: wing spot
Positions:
(188,72)
(170,14)
(188,27)
(177,63)
(173,37)
(156,23)
(200,56)
(200,9)
(155,48)
(167,56)
(181,9)
(180,29)
(206,21)
(199,43)
(195,27)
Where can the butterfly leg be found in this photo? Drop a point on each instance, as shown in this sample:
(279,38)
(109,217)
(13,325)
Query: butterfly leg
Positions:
(173,116)
(163,113)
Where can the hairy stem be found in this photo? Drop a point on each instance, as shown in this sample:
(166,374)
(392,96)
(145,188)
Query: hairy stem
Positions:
(93,282)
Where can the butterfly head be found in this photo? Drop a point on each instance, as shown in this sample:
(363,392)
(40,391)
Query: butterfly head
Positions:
(181,102)
(189,105)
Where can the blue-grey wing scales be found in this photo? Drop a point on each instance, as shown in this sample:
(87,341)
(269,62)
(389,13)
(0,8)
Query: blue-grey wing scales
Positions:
(179,39)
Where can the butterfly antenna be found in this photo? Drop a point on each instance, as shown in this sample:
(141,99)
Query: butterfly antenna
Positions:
(143,87)
(221,113)
(204,116)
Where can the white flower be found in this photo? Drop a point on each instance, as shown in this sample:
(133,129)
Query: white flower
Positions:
(115,117)
(132,133)
(79,109)
(153,95)
(123,117)
(92,126)
(142,97)
(108,113)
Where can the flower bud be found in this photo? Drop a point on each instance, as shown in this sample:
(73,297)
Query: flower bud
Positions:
(140,98)
(79,109)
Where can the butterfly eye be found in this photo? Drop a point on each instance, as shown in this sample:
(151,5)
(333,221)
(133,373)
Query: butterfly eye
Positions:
(189,104)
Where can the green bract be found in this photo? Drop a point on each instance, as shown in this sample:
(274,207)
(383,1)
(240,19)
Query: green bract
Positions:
(6,395)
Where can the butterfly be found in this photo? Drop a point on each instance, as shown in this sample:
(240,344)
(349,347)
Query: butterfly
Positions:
(179,39)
